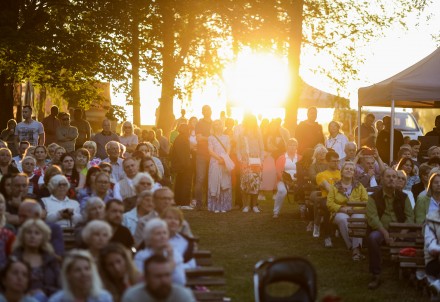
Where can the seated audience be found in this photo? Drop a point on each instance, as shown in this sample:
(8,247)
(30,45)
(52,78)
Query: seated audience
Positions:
(415,150)
(82,158)
(408,166)
(336,140)
(41,161)
(319,164)
(7,237)
(35,181)
(429,202)
(6,165)
(96,235)
(91,147)
(141,182)
(20,185)
(22,147)
(124,188)
(6,186)
(420,187)
(72,175)
(113,150)
(432,248)
(80,280)
(50,172)
(143,207)
(100,188)
(350,153)
(56,158)
(149,165)
(15,280)
(87,191)
(369,169)
(401,181)
(149,151)
(114,210)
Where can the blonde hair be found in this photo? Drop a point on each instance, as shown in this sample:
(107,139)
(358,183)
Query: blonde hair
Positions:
(94,226)
(42,227)
(318,149)
(69,260)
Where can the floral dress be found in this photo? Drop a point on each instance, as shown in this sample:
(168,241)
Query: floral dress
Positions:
(250,147)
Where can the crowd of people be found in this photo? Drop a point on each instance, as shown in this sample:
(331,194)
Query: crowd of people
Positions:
(123,196)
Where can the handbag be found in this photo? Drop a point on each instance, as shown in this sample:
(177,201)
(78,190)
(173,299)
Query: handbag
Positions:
(228,161)
(253,161)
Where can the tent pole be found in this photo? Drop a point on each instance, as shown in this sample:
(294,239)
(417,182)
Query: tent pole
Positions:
(392,132)
(359,127)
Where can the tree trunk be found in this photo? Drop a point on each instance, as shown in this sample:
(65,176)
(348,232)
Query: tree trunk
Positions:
(294,56)
(135,68)
(42,103)
(7,100)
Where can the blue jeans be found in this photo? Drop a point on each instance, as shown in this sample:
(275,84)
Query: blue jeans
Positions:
(202,166)
(374,241)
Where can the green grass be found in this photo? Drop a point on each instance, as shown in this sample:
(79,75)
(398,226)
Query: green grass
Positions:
(239,240)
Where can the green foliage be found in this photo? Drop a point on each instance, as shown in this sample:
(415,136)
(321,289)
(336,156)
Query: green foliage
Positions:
(116,113)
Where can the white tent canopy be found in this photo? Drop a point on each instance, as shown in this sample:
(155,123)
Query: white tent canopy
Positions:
(416,87)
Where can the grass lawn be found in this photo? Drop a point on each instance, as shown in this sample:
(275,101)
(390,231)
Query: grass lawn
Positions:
(239,240)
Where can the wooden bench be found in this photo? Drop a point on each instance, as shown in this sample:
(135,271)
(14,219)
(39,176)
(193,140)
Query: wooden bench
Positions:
(69,239)
(357,227)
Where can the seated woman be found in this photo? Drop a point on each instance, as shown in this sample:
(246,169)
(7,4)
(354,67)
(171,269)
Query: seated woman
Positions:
(156,239)
(33,247)
(429,202)
(100,188)
(117,270)
(60,208)
(285,163)
(7,237)
(56,158)
(341,192)
(51,171)
(92,147)
(94,210)
(87,191)
(407,165)
(141,182)
(41,164)
(400,185)
(96,235)
(80,280)
(422,186)
(72,175)
(13,288)
(143,207)
(82,158)
(180,242)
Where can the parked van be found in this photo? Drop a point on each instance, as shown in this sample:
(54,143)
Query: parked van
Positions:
(403,121)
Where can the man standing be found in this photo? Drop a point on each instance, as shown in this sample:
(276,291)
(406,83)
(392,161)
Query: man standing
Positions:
(101,139)
(83,126)
(113,150)
(29,129)
(203,131)
(383,207)
(368,134)
(51,124)
(436,130)
(114,211)
(66,134)
(158,284)
(309,132)
(383,141)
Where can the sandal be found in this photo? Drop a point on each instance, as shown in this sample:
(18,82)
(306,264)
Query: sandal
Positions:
(357,255)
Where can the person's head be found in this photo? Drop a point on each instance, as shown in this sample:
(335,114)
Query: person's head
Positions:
(115,264)
(379,125)
(51,149)
(96,234)
(40,153)
(437,121)
(148,165)
(12,124)
(2,211)
(407,165)
(144,148)
(312,114)
(127,128)
(114,209)
(22,147)
(174,219)
(217,127)
(292,146)
(206,111)
(415,147)
(369,119)
(334,127)
(58,153)
(401,180)
(34,234)
(106,167)
(434,151)
(163,198)
(29,209)
(387,122)
(159,132)
(102,182)
(27,112)
(192,122)
(350,149)
(434,184)
(90,177)
(406,140)
(112,149)
(30,151)
(79,273)
(6,185)
(67,162)
(59,185)
(64,118)
(5,156)
(183,129)
(348,169)
(54,110)
(82,157)
(95,209)
(404,153)
(143,182)
(158,276)
(3,144)
(91,147)
(106,126)
(131,167)
(144,201)
(388,178)
(332,159)
(319,154)
(424,171)
(15,276)
(28,165)
(20,184)
(50,172)
(78,114)
(156,233)
(367,163)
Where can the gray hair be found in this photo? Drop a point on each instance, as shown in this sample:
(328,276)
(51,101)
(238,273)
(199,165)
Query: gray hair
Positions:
(137,179)
(350,144)
(55,180)
(91,202)
(150,226)
(94,226)
(143,194)
(112,143)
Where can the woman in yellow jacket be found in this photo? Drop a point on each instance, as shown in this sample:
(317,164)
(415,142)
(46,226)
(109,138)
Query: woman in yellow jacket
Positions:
(343,191)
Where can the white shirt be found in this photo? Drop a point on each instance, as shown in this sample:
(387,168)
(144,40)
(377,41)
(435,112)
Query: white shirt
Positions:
(338,144)
(130,220)
(117,169)
(53,207)
(117,188)
(290,165)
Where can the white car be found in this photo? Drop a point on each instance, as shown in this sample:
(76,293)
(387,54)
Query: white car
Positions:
(403,121)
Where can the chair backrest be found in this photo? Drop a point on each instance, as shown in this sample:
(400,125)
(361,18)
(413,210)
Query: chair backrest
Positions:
(294,270)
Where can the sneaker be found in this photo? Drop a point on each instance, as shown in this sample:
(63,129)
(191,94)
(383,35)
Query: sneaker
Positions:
(275,216)
(245,209)
(309,227)
(217,211)
(374,283)
(328,242)
(256,210)
(186,208)
(316,231)
(223,211)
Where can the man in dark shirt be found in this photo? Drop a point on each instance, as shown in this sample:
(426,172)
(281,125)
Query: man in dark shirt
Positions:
(368,134)
(383,141)
(309,132)
(50,124)
(203,130)
(102,138)
(83,126)
(114,210)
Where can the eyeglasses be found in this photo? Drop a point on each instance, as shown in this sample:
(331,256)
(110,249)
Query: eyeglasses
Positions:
(63,184)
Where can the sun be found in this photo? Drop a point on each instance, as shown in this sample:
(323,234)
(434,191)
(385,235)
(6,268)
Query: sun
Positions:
(257,82)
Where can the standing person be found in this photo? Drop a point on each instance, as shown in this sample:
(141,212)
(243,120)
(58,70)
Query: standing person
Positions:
(83,126)
(202,130)
(250,154)
(436,130)
(164,144)
(29,129)
(336,139)
(383,141)
(309,132)
(101,139)
(368,133)
(8,135)
(415,150)
(66,134)
(383,207)
(128,138)
(181,164)
(51,124)
(220,167)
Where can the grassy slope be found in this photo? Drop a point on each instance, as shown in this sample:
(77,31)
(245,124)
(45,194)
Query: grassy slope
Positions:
(239,240)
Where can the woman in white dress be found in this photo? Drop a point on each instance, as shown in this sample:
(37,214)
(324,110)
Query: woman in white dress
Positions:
(336,140)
